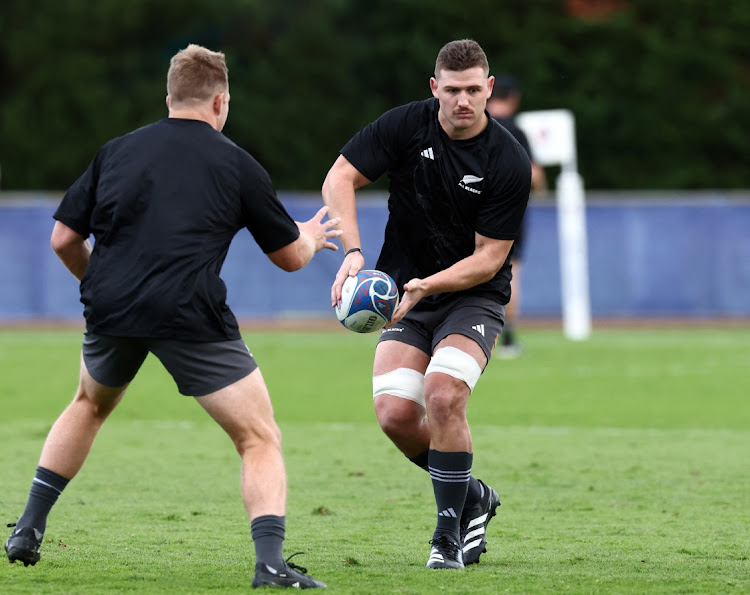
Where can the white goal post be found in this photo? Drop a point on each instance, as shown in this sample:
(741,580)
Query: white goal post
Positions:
(551,134)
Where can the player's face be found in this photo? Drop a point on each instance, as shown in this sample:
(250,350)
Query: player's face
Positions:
(463,96)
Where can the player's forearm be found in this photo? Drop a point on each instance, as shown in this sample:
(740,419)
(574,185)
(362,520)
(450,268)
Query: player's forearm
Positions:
(462,275)
(73,249)
(340,199)
(305,250)
(296,255)
(467,273)
(75,257)
(339,188)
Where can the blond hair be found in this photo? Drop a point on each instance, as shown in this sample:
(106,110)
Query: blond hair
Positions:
(196,74)
(461,54)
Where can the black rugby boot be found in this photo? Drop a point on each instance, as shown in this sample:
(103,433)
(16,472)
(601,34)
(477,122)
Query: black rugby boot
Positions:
(23,545)
(290,575)
(474,521)
(445,553)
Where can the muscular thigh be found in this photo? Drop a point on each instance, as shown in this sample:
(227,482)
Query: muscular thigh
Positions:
(242,407)
(104,398)
(390,355)
(111,361)
(465,344)
(405,351)
(398,379)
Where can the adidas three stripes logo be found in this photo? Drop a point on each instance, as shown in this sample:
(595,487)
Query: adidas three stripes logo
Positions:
(450,476)
(475,533)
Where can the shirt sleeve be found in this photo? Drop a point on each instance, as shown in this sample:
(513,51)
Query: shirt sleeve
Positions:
(264,216)
(79,201)
(501,214)
(374,149)
(523,139)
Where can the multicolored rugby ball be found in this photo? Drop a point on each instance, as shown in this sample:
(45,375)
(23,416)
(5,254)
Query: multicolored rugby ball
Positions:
(368,300)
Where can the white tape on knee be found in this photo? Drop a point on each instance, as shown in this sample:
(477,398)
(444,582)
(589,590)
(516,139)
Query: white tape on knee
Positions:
(401,382)
(456,363)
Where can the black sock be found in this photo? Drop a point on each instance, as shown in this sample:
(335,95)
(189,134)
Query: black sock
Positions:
(450,472)
(507,334)
(421,460)
(268,537)
(45,488)
(474,493)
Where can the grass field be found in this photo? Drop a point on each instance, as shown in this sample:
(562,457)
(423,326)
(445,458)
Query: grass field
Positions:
(623,464)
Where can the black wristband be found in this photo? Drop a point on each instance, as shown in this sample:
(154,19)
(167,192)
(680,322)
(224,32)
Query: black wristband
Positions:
(348,252)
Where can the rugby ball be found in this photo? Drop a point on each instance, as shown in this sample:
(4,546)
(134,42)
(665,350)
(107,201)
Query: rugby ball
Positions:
(368,300)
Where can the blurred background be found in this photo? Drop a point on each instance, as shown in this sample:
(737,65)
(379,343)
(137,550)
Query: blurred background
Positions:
(660,92)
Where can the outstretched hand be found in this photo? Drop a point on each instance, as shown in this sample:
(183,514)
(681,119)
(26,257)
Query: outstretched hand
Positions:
(414,291)
(321,232)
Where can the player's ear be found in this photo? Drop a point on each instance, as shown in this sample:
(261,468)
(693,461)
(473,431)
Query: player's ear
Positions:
(434,86)
(168,101)
(217,103)
(490,86)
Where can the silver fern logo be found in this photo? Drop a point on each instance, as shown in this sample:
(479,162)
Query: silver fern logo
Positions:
(469,179)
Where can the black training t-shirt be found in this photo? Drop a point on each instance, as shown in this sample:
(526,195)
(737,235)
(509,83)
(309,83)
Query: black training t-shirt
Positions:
(510,125)
(442,192)
(163,204)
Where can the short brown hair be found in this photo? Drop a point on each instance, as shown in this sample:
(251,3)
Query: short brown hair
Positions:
(461,54)
(196,74)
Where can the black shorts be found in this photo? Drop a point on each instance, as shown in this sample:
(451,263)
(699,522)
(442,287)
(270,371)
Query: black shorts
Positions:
(478,318)
(197,368)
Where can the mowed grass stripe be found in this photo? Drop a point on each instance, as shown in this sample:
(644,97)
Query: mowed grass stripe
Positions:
(157,507)
(605,488)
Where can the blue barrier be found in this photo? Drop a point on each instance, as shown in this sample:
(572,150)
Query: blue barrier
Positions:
(648,257)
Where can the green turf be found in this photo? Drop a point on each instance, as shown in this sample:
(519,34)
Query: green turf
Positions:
(622,463)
